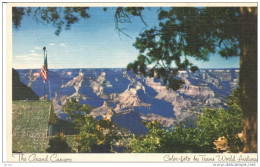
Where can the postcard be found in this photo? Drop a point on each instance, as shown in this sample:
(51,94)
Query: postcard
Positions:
(131,82)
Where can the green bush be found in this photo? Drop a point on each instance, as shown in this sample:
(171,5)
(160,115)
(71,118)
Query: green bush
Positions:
(217,123)
(94,135)
(212,124)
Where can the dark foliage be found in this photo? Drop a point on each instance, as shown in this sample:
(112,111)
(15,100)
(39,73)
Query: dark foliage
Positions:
(58,144)
(184,33)
(59,17)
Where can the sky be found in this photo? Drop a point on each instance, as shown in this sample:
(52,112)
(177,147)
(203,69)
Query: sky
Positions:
(90,43)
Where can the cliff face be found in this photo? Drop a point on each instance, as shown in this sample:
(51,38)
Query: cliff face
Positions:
(207,88)
(131,96)
(19,90)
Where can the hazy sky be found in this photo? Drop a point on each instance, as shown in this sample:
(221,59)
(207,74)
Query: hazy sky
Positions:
(90,43)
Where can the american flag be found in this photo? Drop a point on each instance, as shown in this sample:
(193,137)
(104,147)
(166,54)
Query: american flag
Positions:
(44,70)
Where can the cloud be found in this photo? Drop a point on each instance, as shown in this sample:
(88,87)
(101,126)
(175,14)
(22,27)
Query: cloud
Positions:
(31,58)
(51,44)
(62,45)
(35,54)
(21,56)
(37,48)
(32,51)
(26,65)
(27,58)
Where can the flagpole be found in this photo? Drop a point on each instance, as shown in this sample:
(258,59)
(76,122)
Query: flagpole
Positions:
(44,90)
(44,48)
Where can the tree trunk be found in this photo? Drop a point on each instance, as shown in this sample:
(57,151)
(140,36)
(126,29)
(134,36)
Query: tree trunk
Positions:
(248,77)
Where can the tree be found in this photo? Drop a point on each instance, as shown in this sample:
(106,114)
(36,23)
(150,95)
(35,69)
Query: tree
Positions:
(152,142)
(61,18)
(93,135)
(76,112)
(248,76)
(217,123)
(196,32)
(183,33)
(89,135)
(160,139)
(212,124)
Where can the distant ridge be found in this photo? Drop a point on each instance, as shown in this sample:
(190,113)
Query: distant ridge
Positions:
(134,97)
